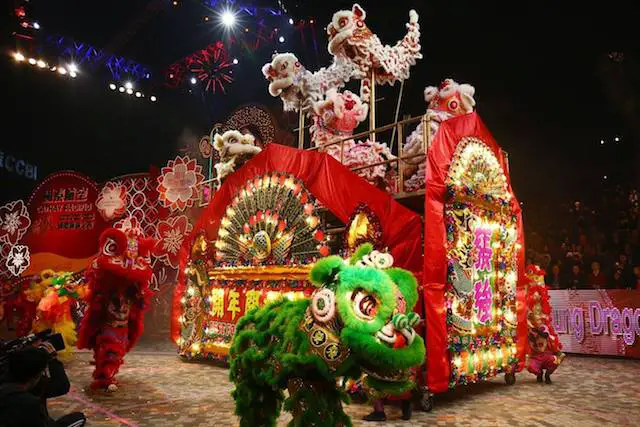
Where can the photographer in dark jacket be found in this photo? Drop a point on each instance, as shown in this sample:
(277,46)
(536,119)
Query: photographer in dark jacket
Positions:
(23,396)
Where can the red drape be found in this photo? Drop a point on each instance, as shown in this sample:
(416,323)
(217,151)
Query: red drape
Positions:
(333,185)
(439,159)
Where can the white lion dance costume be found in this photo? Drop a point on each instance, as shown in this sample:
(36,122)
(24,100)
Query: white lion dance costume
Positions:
(449,100)
(335,115)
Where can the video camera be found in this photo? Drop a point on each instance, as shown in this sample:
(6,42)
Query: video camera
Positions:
(8,347)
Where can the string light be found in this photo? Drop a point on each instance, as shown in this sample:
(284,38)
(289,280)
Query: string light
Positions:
(121,89)
(281,39)
(32,61)
(112,86)
(18,57)
(41,63)
(153,98)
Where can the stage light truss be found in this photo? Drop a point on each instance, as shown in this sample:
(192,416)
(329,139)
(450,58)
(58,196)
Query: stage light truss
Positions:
(119,66)
(248,9)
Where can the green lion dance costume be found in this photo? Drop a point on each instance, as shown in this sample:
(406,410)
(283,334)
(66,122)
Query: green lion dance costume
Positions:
(353,324)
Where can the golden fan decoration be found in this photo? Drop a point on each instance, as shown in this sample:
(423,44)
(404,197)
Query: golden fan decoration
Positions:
(477,168)
(271,221)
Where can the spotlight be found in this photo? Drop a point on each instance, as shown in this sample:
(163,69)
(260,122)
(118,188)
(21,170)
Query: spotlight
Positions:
(138,94)
(121,89)
(290,21)
(602,142)
(175,3)
(129,91)
(62,70)
(246,30)
(281,39)
(311,21)
(128,85)
(73,74)
(18,56)
(153,98)
(171,75)
(228,18)
(605,177)
(617,139)
(36,25)
(206,19)
(41,63)
(235,61)
(32,61)
(73,68)
(193,80)
(112,86)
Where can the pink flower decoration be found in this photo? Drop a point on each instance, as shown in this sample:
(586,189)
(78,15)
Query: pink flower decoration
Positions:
(170,236)
(14,222)
(177,185)
(112,201)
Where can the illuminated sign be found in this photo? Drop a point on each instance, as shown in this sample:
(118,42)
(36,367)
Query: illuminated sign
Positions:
(18,166)
(597,321)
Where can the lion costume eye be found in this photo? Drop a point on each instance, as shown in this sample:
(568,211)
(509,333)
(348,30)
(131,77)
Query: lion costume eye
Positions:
(110,247)
(365,305)
(452,104)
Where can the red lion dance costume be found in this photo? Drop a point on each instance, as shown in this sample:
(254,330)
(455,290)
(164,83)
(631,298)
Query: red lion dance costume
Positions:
(118,295)
(543,352)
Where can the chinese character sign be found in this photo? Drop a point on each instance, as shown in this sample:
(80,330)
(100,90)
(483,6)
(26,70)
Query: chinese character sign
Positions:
(482,246)
(483,293)
(483,297)
(64,219)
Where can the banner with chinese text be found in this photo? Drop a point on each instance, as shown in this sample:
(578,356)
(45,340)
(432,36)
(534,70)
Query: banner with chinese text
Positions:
(65,222)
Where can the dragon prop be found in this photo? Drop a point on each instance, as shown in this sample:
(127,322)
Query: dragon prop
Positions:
(353,324)
(118,294)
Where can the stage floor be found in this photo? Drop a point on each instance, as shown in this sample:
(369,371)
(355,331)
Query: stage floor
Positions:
(157,389)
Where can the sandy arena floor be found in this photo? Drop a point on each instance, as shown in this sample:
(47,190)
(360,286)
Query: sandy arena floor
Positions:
(157,389)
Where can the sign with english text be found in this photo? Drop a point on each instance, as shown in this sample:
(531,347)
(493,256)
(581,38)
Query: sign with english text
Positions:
(603,322)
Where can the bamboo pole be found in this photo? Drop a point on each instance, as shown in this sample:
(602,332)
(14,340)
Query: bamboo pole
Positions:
(395,120)
(300,129)
(372,105)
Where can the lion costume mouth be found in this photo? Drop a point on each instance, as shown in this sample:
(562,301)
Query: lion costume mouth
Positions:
(395,338)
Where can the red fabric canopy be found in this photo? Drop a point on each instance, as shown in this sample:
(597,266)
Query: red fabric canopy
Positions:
(333,185)
(439,159)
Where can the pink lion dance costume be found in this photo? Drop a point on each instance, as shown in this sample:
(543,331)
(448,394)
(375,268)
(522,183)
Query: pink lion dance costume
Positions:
(117,297)
(543,355)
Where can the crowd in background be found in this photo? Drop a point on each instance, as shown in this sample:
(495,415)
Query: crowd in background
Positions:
(591,244)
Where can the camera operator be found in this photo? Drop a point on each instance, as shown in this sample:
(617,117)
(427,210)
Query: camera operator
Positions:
(34,375)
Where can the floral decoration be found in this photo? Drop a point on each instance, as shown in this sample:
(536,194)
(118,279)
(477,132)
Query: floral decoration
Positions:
(14,221)
(178,182)
(112,201)
(170,235)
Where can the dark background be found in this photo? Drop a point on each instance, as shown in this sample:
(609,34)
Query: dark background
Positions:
(546,85)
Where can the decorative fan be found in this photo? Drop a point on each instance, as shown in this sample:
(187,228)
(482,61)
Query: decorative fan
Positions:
(271,221)
(478,169)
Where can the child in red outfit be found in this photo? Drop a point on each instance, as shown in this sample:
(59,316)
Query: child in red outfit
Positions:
(542,359)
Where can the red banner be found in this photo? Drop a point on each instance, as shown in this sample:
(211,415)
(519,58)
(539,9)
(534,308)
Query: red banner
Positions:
(603,322)
(65,223)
